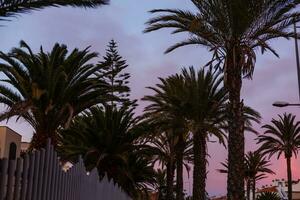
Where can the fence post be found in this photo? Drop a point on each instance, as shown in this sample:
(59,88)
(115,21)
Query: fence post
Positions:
(46,161)
(3,178)
(24,177)
(18,179)
(10,180)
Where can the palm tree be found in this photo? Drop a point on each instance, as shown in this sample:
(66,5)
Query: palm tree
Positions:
(13,8)
(48,89)
(256,168)
(268,196)
(165,114)
(282,136)
(232,30)
(205,110)
(107,138)
(161,177)
(162,147)
(198,99)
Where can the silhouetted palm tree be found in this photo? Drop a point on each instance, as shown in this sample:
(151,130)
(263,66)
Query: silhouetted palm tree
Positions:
(205,109)
(12,8)
(268,196)
(107,138)
(198,99)
(165,114)
(282,136)
(256,168)
(232,30)
(48,89)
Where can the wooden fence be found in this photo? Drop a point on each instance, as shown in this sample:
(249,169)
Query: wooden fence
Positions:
(39,176)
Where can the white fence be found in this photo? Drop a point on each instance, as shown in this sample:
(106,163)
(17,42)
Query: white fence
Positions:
(39,176)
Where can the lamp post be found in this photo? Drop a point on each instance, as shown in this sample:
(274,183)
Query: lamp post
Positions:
(297,55)
(282,103)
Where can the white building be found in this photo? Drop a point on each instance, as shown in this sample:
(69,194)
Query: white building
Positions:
(281,188)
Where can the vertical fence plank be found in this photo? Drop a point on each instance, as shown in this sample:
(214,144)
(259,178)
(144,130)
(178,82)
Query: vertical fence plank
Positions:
(3,178)
(32,169)
(46,169)
(24,177)
(40,180)
(18,179)
(11,179)
(36,175)
(51,173)
(59,185)
(54,183)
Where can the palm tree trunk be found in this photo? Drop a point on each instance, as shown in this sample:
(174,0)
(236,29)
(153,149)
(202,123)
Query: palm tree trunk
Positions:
(199,173)
(253,189)
(179,168)
(170,180)
(248,189)
(289,176)
(236,143)
(40,138)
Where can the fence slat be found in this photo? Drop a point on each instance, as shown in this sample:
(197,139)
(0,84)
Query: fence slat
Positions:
(40,180)
(3,178)
(24,177)
(30,176)
(18,179)
(51,173)
(11,179)
(44,187)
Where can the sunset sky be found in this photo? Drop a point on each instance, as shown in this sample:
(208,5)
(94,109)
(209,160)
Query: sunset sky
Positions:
(124,20)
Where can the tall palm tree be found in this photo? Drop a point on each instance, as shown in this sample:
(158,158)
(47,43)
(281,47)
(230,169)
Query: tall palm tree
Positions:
(107,139)
(232,31)
(256,168)
(12,8)
(282,136)
(199,99)
(48,89)
(205,110)
(165,113)
(162,148)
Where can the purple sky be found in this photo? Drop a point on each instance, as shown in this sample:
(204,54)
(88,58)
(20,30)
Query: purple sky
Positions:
(123,20)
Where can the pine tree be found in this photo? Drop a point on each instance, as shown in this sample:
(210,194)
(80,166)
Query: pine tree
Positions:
(112,70)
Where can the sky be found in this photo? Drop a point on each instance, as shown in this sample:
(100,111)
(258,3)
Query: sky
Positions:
(124,20)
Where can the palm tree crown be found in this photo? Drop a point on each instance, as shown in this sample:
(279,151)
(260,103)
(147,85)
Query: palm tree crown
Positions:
(107,138)
(48,89)
(221,25)
(282,137)
(11,8)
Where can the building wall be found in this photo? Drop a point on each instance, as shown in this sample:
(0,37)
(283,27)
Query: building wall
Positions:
(296,195)
(25,146)
(8,136)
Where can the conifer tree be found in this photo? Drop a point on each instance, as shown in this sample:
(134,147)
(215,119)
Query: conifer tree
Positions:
(113,71)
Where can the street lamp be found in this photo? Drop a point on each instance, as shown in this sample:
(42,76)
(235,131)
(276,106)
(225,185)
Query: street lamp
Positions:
(297,55)
(284,104)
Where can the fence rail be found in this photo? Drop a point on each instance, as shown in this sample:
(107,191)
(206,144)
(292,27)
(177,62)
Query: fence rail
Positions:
(39,176)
